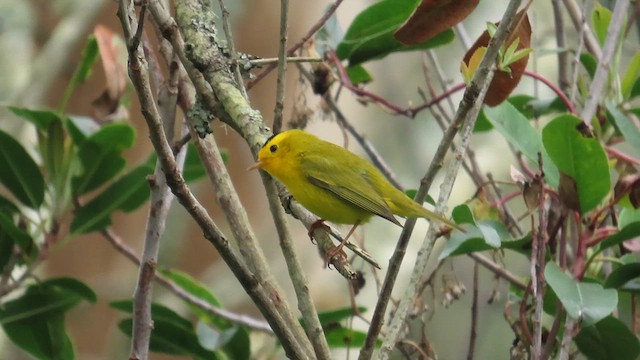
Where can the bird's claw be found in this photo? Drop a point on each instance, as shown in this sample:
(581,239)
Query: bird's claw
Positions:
(316,225)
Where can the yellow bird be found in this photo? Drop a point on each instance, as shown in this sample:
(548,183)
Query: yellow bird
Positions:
(334,183)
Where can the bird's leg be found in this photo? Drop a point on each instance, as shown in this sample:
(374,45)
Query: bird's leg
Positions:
(316,225)
(336,250)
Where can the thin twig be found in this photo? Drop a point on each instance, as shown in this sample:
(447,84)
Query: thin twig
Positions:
(140,79)
(498,270)
(114,239)
(580,24)
(294,59)
(312,31)
(232,47)
(538,252)
(474,314)
(561,42)
(466,114)
(161,200)
(602,71)
(282,66)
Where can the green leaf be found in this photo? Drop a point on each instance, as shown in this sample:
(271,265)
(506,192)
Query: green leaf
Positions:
(126,194)
(83,71)
(7,206)
(589,62)
(80,128)
(486,235)
(195,288)
(519,132)
(101,156)
(72,286)
(627,128)
(35,321)
(53,153)
(609,339)
(234,341)
(17,236)
(6,245)
(625,278)
(20,174)
(172,333)
(359,75)
(343,337)
(579,157)
(334,316)
(193,168)
(631,76)
(482,123)
(601,17)
(42,119)
(583,301)
(370,35)
(626,233)
(462,214)
(635,89)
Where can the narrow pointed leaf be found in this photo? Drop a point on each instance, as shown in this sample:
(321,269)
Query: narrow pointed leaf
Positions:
(19,173)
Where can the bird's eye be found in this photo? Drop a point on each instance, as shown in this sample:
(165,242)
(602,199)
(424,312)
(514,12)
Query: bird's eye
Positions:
(273,148)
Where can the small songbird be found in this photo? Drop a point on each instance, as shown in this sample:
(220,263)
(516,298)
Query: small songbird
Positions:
(334,183)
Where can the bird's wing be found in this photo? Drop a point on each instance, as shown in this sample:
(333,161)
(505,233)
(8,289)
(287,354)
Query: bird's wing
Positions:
(349,183)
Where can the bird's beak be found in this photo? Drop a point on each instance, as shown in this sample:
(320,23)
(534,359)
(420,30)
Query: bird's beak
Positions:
(257,165)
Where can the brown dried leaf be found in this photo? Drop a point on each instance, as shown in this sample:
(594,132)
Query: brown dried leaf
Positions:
(432,17)
(503,83)
(113,55)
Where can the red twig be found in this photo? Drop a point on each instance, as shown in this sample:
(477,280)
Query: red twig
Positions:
(554,88)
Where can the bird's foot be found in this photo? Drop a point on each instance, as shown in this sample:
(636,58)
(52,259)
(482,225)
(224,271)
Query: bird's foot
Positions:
(316,225)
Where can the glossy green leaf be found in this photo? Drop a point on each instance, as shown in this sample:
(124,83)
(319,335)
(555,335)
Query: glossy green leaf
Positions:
(42,119)
(519,132)
(601,17)
(581,158)
(72,286)
(35,321)
(158,311)
(370,35)
(359,75)
(625,278)
(628,232)
(100,156)
(126,194)
(609,339)
(462,214)
(588,302)
(20,174)
(627,128)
